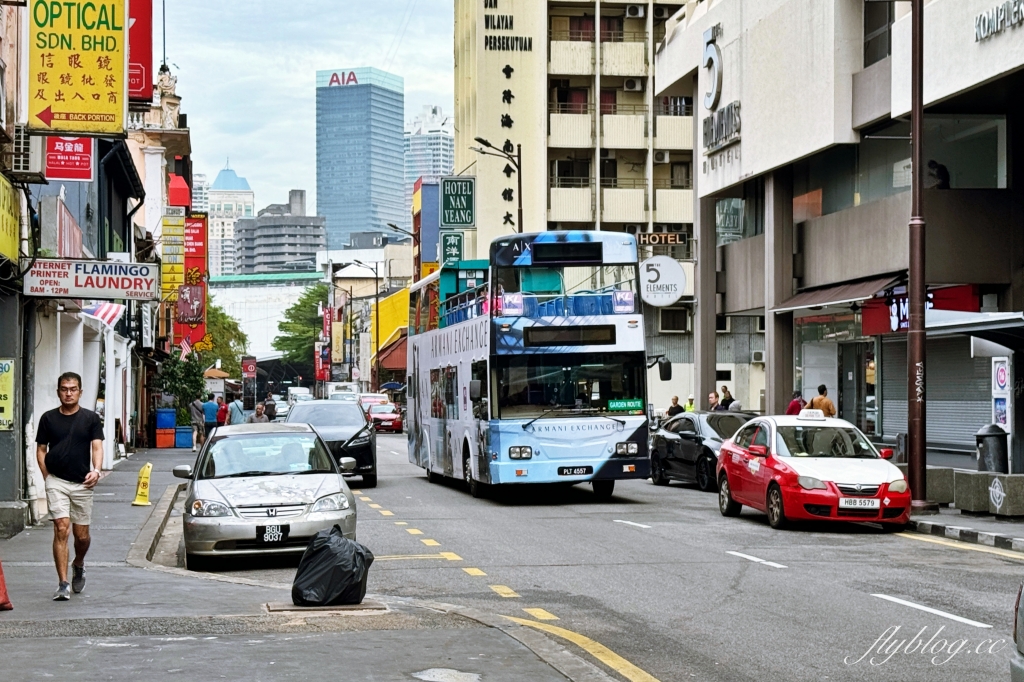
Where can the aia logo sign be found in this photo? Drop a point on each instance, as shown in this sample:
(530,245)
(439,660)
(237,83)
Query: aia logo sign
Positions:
(343,79)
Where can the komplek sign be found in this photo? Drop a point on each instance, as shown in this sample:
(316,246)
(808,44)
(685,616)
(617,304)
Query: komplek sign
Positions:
(88,279)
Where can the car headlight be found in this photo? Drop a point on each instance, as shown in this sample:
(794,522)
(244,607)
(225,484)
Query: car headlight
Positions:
(362,440)
(335,502)
(520,452)
(626,449)
(209,508)
(898,486)
(811,483)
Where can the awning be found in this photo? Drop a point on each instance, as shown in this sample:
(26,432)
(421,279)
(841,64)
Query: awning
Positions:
(1006,329)
(393,356)
(840,294)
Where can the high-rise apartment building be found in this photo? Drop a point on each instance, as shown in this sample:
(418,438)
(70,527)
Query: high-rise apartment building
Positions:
(359,151)
(429,151)
(230,198)
(200,192)
(572,85)
(280,238)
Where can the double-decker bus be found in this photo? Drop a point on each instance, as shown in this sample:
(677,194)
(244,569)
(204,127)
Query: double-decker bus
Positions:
(530,367)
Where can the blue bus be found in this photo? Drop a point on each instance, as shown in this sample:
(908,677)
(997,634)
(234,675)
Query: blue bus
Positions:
(531,367)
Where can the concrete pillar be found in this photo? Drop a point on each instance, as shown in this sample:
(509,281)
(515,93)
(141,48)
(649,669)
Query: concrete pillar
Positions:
(108,411)
(91,353)
(13,510)
(704,310)
(778,287)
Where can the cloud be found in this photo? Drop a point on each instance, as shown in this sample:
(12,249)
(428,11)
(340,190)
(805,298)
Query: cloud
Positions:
(247,75)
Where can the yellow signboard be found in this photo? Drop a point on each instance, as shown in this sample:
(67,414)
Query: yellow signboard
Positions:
(6,394)
(77,68)
(10,220)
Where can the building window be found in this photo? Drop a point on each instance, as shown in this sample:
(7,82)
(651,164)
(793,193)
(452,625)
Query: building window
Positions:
(722,324)
(723,375)
(878,18)
(761,323)
(674,320)
(737,219)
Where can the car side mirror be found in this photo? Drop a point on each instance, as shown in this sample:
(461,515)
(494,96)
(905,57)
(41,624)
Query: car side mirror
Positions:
(474,389)
(182,471)
(347,463)
(664,369)
(886,453)
(758,450)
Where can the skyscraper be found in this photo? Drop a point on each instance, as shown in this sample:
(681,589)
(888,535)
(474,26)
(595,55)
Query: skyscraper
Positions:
(230,198)
(429,151)
(359,151)
(200,190)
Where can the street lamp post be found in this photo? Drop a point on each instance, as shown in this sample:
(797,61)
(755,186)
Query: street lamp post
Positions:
(376,320)
(417,259)
(489,149)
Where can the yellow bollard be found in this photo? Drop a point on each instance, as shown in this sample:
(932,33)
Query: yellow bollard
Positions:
(142,491)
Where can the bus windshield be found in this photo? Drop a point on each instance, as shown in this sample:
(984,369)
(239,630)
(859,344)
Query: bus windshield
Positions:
(557,280)
(531,385)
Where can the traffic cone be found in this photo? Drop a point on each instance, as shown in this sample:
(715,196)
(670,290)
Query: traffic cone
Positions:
(5,601)
(142,490)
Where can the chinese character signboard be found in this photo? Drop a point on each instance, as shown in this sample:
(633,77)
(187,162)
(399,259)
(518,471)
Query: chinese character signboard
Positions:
(458,202)
(172,272)
(69,159)
(77,67)
(91,279)
(451,246)
(140,51)
(193,325)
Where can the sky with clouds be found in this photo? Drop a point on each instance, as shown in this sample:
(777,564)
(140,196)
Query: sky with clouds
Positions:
(247,75)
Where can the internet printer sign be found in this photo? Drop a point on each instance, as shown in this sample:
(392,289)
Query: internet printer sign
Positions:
(103,280)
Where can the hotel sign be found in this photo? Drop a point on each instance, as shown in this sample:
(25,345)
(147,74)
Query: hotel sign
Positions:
(1009,14)
(722,127)
(458,202)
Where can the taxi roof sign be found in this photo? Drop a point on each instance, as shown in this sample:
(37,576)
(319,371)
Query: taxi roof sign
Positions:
(811,414)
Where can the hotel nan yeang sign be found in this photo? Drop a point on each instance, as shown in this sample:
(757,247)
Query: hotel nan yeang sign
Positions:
(89,279)
(989,23)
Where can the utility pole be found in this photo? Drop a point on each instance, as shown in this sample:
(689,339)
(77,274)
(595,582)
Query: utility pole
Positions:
(488,149)
(376,321)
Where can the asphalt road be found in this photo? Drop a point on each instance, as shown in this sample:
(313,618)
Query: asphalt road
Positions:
(658,576)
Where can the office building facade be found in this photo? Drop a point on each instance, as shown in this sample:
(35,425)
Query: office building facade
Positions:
(359,151)
(200,192)
(429,151)
(229,198)
(281,238)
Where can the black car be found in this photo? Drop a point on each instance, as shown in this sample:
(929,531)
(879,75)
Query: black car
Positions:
(346,431)
(685,448)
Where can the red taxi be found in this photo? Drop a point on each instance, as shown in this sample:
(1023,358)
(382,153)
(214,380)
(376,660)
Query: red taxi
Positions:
(808,467)
(385,417)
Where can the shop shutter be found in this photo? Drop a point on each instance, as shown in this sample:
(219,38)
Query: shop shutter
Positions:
(958,391)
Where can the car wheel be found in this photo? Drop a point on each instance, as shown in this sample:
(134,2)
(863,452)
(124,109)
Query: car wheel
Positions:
(727,505)
(194,562)
(705,474)
(369,480)
(472,485)
(603,489)
(776,509)
(658,476)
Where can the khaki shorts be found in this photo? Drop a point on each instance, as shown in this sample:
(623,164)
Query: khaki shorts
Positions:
(69,500)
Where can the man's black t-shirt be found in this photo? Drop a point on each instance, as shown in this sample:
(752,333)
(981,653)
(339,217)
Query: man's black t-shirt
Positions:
(673,410)
(69,438)
(270,408)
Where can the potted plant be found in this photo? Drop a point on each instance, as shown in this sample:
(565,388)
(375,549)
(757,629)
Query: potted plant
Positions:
(182,378)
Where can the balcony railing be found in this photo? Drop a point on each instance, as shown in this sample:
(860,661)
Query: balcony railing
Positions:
(569,182)
(570,108)
(623,36)
(573,36)
(673,184)
(624,183)
(662,109)
(616,109)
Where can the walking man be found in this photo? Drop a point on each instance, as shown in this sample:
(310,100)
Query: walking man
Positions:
(675,408)
(236,412)
(823,402)
(259,417)
(195,409)
(270,407)
(69,448)
(209,415)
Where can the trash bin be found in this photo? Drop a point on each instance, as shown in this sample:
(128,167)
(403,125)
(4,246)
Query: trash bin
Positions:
(992,449)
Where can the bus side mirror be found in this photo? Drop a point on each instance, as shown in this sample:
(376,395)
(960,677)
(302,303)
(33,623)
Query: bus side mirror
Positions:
(474,389)
(665,369)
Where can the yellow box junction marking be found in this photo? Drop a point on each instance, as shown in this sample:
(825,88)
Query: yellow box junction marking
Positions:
(474,571)
(431,543)
(504,591)
(451,556)
(413,531)
(595,649)
(366,499)
(385,512)
(541,614)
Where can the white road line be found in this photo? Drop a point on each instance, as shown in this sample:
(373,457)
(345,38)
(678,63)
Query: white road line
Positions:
(756,560)
(936,612)
(630,523)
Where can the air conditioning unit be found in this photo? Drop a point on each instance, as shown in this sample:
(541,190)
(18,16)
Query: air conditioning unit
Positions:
(662,12)
(668,227)
(633,85)
(662,157)
(757,357)
(27,157)
(607,153)
(634,229)
(634,11)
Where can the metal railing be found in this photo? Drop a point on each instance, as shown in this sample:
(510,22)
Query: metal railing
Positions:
(623,36)
(662,109)
(575,36)
(616,109)
(569,182)
(624,183)
(570,108)
(673,184)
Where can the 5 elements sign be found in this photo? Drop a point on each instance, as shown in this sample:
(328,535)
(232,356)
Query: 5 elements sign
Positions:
(77,67)
(458,202)
(663,281)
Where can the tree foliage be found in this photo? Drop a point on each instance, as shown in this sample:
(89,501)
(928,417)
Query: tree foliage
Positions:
(183,379)
(229,341)
(301,326)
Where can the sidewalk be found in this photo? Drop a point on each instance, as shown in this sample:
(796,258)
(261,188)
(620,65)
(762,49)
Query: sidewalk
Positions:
(980,530)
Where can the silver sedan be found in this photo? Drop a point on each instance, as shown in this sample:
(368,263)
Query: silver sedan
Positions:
(263,489)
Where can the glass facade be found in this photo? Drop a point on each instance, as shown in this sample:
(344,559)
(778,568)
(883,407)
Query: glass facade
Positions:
(359,152)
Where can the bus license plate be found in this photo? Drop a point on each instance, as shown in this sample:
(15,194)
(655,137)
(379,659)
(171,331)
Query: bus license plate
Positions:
(271,534)
(858,503)
(575,471)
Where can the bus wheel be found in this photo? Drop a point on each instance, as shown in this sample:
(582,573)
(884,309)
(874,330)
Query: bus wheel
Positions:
(474,486)
(603,489)
(431,476)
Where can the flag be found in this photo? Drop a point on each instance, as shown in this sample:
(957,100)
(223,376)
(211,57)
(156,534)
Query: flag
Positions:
(186,348)
(107,313)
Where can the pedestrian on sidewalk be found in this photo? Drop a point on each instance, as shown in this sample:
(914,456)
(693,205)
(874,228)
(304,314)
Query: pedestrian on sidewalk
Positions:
(690,405)
(210,408)
(222,411)
(69,448)
(675,408)
(713,404)
(796,404)
(270,407)
(726,398)
(236,411)
(259,417)
(822,402)
(195,410)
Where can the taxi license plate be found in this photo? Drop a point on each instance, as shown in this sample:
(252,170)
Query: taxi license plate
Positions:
(385,423)
(858,503)
(575,471)
(271,534)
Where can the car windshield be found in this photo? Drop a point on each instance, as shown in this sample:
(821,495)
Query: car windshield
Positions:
(823,441)
(371,398)
(349,397)
(725,425)
(265,454)
(382,409)
(302,397)
(338,413)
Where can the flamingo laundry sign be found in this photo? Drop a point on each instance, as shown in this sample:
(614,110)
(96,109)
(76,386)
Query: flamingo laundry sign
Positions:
(93,280)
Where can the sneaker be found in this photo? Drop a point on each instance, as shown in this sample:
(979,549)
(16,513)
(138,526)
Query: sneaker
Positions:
(77,578)
(63,592)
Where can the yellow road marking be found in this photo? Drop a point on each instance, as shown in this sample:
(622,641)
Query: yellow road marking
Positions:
(401,523)
(385,512)
(963,545)
(474,571)
(451,556)
(504,591)
(373,506)
(447,556)
(366,499)
(357,492)
(595,649)
(413,531)
(541,614)
(431,543)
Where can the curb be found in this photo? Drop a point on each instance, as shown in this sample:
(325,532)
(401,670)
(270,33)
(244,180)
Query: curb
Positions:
(966,534)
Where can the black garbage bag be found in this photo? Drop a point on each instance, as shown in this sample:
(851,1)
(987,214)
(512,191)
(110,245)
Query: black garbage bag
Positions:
(333,571)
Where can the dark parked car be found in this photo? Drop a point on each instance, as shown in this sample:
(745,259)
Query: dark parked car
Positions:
(345,429)
(685,448)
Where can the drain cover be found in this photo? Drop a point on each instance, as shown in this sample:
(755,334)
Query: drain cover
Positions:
(445,675)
